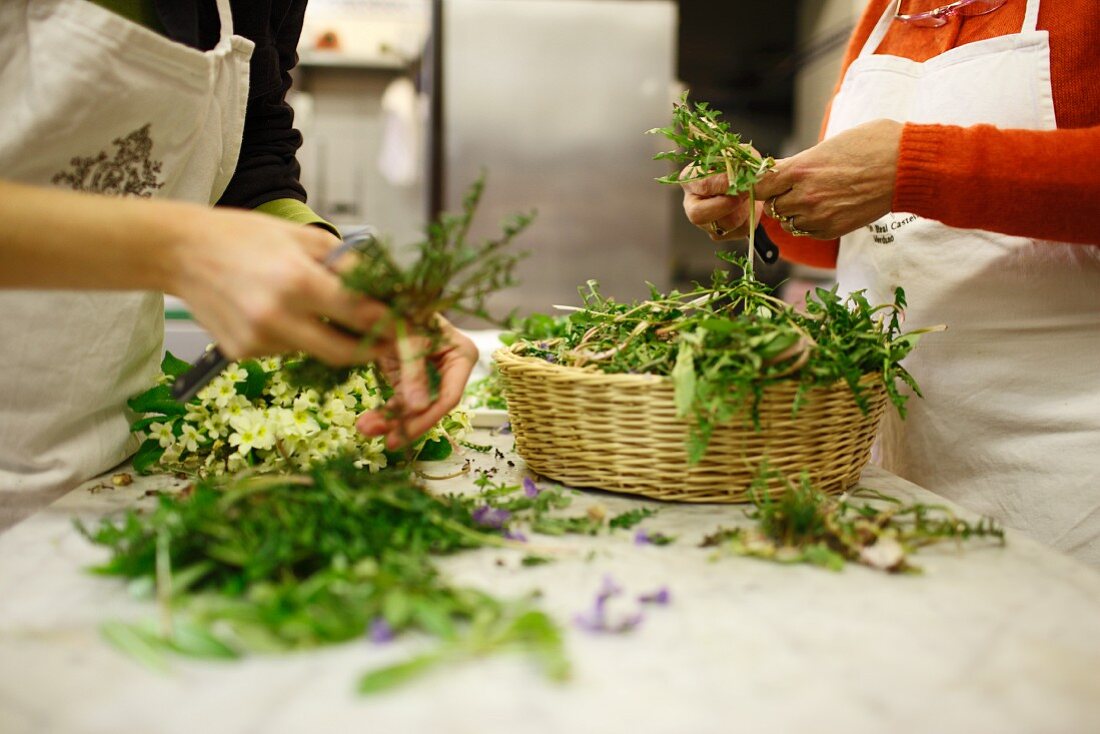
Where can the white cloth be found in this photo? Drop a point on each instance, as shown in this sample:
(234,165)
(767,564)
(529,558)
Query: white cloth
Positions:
(94,102)
(1010,421)
(399,152)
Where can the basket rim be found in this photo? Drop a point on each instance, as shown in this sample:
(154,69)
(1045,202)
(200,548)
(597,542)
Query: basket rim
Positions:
(510,353)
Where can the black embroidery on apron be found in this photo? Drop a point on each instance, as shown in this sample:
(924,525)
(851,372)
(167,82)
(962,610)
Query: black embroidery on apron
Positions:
(131,172)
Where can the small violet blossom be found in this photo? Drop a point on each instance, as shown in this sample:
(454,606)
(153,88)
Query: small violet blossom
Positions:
(644,537)
(597,620)
(530,488)
(491,517)
(517,537)
(660,597)
(381,632)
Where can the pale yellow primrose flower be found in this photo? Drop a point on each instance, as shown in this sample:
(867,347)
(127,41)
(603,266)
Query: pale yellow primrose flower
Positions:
(252,431)
(373,458)
(190,437)
(162,432)
(224,390)
(271,364)
(235,373)
(308,400)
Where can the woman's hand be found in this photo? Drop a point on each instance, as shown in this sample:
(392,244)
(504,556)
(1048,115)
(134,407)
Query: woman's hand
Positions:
(411,412)
(837,186)
(259,285)
(708,207)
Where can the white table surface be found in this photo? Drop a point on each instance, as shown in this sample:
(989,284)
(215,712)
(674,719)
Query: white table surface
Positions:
(989,639)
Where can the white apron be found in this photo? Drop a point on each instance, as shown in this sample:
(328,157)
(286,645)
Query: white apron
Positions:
(93,102)
(1010,422)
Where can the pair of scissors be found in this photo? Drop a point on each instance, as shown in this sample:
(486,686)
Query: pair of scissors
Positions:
(211,364)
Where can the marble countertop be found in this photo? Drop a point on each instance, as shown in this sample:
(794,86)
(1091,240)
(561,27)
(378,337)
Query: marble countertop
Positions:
(988,639)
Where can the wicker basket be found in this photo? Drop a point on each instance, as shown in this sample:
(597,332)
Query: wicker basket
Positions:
(620,433)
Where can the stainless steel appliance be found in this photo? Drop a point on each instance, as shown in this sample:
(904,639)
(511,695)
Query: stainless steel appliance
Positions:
(552,99)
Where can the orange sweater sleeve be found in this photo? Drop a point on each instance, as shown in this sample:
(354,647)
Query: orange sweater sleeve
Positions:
(1043,184)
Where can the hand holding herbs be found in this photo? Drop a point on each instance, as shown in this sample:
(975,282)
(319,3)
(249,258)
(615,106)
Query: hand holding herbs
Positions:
(425,358)
(719,171)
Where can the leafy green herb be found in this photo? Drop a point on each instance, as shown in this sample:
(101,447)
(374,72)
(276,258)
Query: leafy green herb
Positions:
(451,274)
(537,508)
(723,343)
(707,143)
(710,147)
(804,525)
(274,563)
(630,518)
(488,392)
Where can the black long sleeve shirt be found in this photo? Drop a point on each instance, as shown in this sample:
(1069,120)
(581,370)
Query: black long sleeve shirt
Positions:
(267,168)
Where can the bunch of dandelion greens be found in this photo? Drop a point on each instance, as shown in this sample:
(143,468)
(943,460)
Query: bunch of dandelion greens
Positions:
(804,525)
(450,274)
(277,563)
(259,563)
(708,145)
(723,343)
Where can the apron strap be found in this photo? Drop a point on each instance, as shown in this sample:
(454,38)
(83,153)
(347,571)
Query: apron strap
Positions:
(225,17)
(1031,23)
(1031,17)
(880,29)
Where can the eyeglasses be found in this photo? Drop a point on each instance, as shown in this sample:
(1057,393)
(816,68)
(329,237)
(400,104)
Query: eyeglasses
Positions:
(938,17)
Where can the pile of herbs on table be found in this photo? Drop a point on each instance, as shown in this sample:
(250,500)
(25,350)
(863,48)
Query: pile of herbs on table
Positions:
(804,525)
(277,563)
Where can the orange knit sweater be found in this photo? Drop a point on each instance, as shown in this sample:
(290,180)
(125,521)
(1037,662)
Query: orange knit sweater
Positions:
(1040,184)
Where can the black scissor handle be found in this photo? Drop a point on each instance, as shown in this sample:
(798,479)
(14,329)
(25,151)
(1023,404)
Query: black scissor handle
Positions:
(767,250)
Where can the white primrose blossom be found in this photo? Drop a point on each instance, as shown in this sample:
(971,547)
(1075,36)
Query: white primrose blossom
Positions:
(222,390)
(190,438)
(276,427)
(162,432)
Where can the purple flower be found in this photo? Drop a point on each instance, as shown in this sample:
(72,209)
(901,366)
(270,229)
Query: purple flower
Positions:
(505,429)
(644,537)
(380,631)
(518,537)
(597,619)
(607,590)
(491,517)
(659,597)
(530,488)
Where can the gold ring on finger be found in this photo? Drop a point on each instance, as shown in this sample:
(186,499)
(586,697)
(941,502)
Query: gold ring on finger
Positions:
(771,209)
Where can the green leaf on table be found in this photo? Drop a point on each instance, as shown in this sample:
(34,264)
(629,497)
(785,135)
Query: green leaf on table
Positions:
(392,676)
(137,643)
(197,642)
(147,456)
(630,518)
